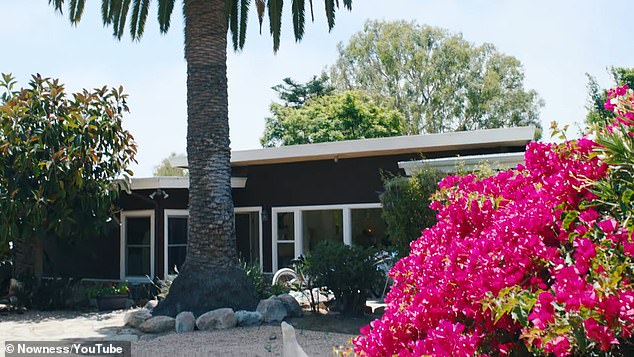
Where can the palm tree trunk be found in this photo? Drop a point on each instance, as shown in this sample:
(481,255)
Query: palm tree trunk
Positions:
(210,277)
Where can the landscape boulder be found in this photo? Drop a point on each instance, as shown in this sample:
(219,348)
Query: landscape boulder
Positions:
(248,318)
(158,324)
(135,318)
(185,322)
(272,309)
(218,319)
(293,309)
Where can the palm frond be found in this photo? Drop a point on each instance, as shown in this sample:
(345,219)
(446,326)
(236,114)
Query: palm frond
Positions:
(244,17)
(125,6)
(105,12)
(330,13)
(312,13)
(140,11)
(347,4)
(165,14)
(260,5)
(275,18)
(231,12)
(115,15)
(76,10)
(298,11)
(57,5)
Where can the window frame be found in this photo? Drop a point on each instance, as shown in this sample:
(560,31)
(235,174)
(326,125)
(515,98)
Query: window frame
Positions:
(298,239)
(123,243)
(167,214)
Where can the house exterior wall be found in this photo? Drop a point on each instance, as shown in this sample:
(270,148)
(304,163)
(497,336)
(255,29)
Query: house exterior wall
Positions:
(310,183)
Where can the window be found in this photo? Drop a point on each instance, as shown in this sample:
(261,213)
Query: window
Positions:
(368,227)
(247,223)
(297,230)
(176,239)
(137,244)
(248,236)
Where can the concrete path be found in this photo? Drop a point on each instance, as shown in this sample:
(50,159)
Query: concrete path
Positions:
(65,326)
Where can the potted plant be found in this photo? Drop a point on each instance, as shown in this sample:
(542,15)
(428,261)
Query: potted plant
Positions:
(111,296)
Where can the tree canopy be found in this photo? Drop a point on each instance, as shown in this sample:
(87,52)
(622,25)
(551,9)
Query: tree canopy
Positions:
(294,94)
(166,168)
(437,80)
(61,156)
(334,117)
(597,114)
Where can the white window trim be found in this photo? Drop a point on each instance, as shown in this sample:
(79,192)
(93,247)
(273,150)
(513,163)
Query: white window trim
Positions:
(298,231)
(166,215)
(123,243)
(257,209)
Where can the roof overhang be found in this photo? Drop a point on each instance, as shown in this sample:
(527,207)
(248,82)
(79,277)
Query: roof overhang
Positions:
(379,147)
(503,161)
(164,182)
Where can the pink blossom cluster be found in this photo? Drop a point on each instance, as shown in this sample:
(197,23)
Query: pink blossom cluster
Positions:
(534,229)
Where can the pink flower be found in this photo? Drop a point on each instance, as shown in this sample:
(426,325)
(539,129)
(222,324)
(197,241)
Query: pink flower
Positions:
(600,334)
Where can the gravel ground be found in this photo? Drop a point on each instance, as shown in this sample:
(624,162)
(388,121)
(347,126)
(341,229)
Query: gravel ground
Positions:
(246,341)
(262,341)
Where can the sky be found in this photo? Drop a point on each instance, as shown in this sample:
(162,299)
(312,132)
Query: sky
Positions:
(557,42)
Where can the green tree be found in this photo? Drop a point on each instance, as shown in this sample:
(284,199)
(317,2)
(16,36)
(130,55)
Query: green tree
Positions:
(211,276)
(405,202)
(597,96)
(166,168)
(438,80)
(295,94)
(335,117)
(60,157)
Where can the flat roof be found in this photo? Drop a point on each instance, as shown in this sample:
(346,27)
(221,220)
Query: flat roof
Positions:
(501,161)
(518,136)
(150,183)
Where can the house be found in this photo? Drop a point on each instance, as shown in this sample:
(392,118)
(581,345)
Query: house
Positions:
(286,200)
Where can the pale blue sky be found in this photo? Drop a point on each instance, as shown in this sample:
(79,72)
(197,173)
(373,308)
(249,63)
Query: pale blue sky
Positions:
(556,41)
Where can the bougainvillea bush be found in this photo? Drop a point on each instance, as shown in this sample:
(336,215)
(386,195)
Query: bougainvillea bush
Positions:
(532,260)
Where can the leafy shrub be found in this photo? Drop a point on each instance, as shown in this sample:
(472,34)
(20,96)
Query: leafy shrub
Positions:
(405,202)
(348,271)
(113,288)
(535,259)
(261,284)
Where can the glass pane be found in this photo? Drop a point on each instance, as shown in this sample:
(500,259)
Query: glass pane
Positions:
(255,236)
(368,228)
(321,225)
(137,261)
(177,230)
(285,253)
(138,230)
(285,226)
(176,258)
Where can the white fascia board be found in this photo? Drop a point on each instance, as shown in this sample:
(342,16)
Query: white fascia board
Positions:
(386,146)
(380,146)
(501,161)
(151,183)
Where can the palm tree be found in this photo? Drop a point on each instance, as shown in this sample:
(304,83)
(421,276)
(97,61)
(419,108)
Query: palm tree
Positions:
(210,277)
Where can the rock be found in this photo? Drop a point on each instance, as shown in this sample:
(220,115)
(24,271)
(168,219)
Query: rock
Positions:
(218,319)
(135,318)
(248,318)
(158,324)
(4,307)
(379,310)
(151,304)
(292,306)
(185,322)
(272,309)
